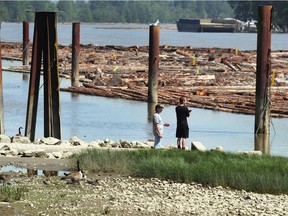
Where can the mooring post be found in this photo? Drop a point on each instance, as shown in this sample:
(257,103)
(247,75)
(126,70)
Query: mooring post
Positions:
(75,54)
(1,96)
(263,73)
(25,48)
(153,64)
(151,111)
(44,44)
(263,81)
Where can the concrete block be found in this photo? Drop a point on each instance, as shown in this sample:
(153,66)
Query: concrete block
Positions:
(198,146)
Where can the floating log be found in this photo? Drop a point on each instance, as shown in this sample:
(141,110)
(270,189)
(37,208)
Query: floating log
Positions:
(221,85)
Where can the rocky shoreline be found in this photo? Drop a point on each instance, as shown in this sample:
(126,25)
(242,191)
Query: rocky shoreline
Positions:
(217,76)
(52,148)
(112,194)
(116,195)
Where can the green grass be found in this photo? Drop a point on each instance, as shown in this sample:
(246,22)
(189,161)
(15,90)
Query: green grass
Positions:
(11,193)
(262,174)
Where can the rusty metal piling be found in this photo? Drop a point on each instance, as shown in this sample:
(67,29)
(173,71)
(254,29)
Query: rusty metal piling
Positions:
(263,82)
(263,73)
(75,54)
(1,97)
(153,64)
(25,43)
(44,45)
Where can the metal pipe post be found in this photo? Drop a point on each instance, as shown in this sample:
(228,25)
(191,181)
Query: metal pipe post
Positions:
(32,103)
(25,43)
(153,64)
(75,54)
(263,73)
(44,42)
(1,97)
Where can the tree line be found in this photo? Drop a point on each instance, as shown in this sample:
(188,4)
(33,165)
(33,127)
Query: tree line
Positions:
(130,11)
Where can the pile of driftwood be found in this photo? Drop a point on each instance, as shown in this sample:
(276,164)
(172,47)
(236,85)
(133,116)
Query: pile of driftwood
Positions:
(211,78)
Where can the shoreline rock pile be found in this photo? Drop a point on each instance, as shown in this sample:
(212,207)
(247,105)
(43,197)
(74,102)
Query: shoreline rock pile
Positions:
(52,148)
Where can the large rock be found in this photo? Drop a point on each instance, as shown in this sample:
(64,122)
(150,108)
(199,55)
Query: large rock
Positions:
(21,139)
(13,152)
(66,154)
(41,153)
(218,148)
(125,144)
(5,148)
(106,143)
(57,155)
(50,156)
(251,152)
(35,153)
(116,145)
(75,141)
(28,153)
(95,144)
(198,146)
(137,144)
(4,139)
(4,153)
(50,141)
(149,143)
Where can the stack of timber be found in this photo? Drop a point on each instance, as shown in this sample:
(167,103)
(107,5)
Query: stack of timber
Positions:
(210,78)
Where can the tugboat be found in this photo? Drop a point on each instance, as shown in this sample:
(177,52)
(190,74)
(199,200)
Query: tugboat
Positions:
(250,26)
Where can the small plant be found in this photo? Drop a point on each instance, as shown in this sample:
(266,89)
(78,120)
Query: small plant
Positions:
(11,193)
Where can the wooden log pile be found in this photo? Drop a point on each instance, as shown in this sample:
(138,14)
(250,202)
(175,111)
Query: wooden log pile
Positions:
(210,78)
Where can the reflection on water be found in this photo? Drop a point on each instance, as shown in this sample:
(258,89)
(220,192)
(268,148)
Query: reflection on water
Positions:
(47,173)
(32,172)
(25,77)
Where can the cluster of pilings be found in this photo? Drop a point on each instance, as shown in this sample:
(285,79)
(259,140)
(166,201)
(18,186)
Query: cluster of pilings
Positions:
(45,48)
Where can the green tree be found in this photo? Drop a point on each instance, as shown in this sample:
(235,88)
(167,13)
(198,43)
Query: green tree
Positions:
(66,11)
(83,12)
(4,13)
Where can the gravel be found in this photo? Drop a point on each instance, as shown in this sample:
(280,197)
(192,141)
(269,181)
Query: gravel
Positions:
(118,195)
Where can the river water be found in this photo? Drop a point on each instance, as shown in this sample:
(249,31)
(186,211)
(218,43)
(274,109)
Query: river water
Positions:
(91,118)
(138,34)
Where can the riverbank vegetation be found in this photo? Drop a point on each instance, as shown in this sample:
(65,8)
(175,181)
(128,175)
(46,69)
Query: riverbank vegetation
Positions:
(262,174)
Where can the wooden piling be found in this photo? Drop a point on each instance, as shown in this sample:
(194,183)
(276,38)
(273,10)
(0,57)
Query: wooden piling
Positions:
(25,48)
(151,111)
(44,44)
(1,97)
(261,143)
(263,73)
(153,64)
(75,54)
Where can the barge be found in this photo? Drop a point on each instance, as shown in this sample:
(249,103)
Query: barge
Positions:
(209,25)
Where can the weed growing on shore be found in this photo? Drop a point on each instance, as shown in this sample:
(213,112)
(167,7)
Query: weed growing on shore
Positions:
(11,193)
(263,174)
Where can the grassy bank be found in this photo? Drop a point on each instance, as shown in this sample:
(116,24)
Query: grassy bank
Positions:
(263,174)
